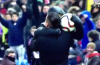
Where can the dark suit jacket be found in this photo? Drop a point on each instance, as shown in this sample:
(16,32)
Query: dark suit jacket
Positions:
(53,49)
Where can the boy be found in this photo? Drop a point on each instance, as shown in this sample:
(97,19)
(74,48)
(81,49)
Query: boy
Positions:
(92,56)
(15,36)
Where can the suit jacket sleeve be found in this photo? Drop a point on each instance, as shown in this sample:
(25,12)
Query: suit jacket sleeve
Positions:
(34,45)
(79,33)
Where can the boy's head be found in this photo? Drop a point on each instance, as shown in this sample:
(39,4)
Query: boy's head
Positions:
(15,16)
(93,35)
(33,29)
(90,48)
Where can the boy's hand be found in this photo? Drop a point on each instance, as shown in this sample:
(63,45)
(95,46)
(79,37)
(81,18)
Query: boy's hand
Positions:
(85,16)
(24,8)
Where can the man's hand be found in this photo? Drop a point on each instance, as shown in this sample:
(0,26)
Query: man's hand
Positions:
(24,8)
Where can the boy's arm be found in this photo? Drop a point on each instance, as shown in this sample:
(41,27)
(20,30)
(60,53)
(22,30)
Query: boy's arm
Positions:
(4,22)
(24,16)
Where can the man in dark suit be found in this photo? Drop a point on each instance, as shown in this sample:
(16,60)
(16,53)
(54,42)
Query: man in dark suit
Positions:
(54,48)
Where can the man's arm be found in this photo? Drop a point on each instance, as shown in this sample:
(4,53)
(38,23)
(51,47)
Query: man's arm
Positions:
(4,22)
(43,31)
(79,33)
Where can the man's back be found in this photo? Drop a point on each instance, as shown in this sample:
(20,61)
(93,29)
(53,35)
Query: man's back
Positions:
(54,49)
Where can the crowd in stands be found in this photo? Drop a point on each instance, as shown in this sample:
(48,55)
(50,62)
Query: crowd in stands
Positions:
(29,33)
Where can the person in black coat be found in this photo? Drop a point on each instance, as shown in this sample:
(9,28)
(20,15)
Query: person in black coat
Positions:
(54,49)
(48,45)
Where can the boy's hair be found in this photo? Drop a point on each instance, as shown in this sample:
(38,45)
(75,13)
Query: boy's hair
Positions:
(92,45)
(93,34)
(9,50)
(33,27)
(15,13)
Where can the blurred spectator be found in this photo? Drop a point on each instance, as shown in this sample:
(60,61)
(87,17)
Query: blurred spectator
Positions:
(98,25)
(5,31)
(13,7)
(3,46)
(45,9)
(81,4)
(40,6)
(74,10)
(2,9)
(39,16)
(95,12)
(6,16)
(2,1)
(9,57)
(93,36)
(31,53)
(88,25)
(31,37)
(92,56)
(74,2)
(75,53)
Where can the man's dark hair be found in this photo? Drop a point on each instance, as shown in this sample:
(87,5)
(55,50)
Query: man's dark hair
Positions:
(15,13)
(93,34)
(54,19)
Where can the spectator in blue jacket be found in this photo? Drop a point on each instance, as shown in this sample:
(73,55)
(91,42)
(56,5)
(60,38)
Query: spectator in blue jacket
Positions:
(15,36)
(88,25)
